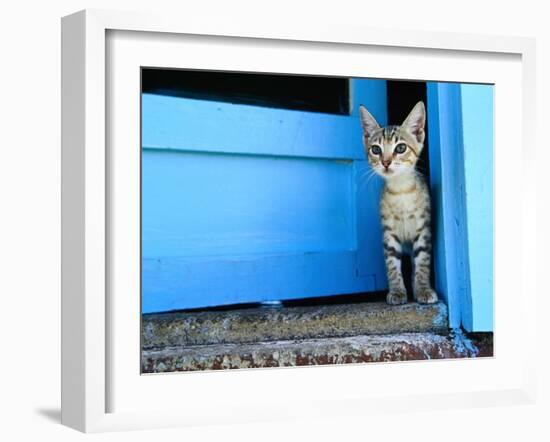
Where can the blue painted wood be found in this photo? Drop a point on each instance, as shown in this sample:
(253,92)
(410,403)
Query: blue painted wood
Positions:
(370,248)
(477,125)
(209,126)
(371,93)
(249,204)
(452,270)
(196,204)
(460,128)
(436,189)
(190,282)
(370,255)
(448,197)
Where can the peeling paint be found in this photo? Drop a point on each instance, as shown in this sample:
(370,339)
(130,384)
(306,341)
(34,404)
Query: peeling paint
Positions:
(462,343)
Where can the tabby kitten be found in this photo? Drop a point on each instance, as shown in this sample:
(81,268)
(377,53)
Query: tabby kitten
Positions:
(392,152)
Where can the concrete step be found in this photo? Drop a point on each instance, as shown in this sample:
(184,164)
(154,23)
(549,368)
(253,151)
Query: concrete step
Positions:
(341,350)
(183,329)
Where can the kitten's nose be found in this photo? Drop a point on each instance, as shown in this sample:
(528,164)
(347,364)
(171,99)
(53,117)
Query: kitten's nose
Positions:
(386,163)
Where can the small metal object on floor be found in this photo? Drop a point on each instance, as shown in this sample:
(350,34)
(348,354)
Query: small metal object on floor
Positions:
(271,304)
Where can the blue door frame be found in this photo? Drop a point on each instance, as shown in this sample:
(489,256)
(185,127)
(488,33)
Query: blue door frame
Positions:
(460,128)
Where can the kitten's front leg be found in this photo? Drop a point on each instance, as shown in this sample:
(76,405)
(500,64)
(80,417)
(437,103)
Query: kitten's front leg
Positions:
(422,247)
(393,252)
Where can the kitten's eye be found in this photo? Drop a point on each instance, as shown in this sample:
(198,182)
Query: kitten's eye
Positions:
(400,148)
(376,150)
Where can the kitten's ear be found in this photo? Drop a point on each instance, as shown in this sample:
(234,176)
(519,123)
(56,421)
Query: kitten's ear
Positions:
(416,121)
(368,123)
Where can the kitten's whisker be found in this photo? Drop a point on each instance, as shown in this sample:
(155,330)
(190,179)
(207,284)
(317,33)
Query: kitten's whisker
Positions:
(366,178)
(364,174)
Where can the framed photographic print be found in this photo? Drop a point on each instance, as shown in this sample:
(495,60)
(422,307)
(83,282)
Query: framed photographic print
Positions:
(322,215)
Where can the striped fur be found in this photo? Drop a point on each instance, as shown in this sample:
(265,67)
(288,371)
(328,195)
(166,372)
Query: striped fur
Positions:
(392,152)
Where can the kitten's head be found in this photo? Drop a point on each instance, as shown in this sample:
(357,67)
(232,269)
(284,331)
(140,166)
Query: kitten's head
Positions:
(394,150)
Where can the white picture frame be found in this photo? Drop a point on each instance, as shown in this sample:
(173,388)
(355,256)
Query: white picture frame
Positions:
(88,362)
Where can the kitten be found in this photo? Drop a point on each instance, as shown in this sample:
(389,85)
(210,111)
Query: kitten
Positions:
(392,152)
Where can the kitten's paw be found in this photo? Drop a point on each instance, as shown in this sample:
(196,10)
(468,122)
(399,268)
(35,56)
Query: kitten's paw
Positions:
(426,296)
(396,297)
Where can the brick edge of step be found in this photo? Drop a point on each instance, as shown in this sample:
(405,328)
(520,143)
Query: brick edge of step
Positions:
(340,350)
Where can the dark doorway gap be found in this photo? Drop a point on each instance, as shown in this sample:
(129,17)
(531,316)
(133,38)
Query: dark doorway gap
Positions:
(297,92)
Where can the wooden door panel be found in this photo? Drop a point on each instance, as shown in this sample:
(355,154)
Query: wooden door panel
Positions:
(247,204)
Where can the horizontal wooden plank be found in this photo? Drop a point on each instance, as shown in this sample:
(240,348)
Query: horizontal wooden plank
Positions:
(197,204)
(209,126)
(181,283)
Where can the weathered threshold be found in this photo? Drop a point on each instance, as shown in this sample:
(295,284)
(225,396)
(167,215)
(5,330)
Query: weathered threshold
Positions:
(289,323)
